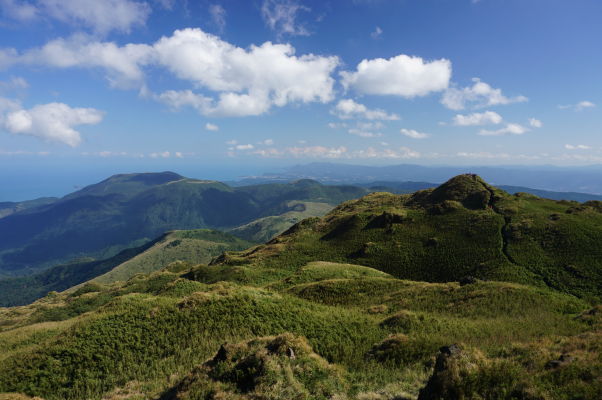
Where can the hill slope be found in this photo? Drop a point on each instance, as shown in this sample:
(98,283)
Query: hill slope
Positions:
(128,210)
(279,322)
(193,247)
(464,227)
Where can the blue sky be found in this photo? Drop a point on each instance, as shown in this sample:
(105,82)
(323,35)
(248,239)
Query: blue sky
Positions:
(253,84)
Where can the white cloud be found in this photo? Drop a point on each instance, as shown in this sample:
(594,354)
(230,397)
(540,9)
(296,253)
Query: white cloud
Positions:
(499,156)
(15,83)
(245,147)
(268,142)
(535,123)
(316,151)
(401,153)
(377,33)
(364,133)
(281,17)
(582,105)
(577,147)
(247,81)
(51,122)
(166,4)
(363,129)
(101,16)
(338,153)
(269,153)
(179,154)
(479,95)
(122,64)
(218,16)
(337,125)
(19,10)
(485,118)
(347,109)
(232,142)
(211,127)
(164,154)
(411,133)
(510,129)
(402,75)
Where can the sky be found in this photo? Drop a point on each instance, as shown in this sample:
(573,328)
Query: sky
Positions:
(90,85)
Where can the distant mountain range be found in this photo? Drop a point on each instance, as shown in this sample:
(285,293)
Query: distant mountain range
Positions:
(559,179)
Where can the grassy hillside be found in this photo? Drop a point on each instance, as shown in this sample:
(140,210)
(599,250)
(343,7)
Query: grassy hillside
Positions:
(463,228)
(320,312)
(263,229)
(367,336)
(194,247)
(128,210)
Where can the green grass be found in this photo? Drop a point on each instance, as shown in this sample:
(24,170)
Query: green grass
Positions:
(358,332)
(464,228)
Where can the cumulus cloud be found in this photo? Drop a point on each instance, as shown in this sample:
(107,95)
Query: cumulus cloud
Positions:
(281,17)
(270,70)
(218,16)
(582,105)
(577,147)
(479,95)
(122,64)
(211,127)
(535,123)
(347,109)
(411,133)
(485,118)
(50,122)
(100,16)
(247,81)
(244,147)
(509,129)
(403,75)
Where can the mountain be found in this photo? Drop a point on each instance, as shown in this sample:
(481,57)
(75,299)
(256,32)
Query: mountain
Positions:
(560,179)
(126,211)
(263,229)
(192,247)
(8,207)
(301,317)
(410,187)
(464,227)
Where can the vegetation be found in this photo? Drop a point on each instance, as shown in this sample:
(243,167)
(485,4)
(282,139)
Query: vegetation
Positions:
(288,319)
(463,228)
(263,229)
(127,211)
(194,246)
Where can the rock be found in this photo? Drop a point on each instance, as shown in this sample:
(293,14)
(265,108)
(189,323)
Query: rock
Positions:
(436,387)
(563,360)
(468,280)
